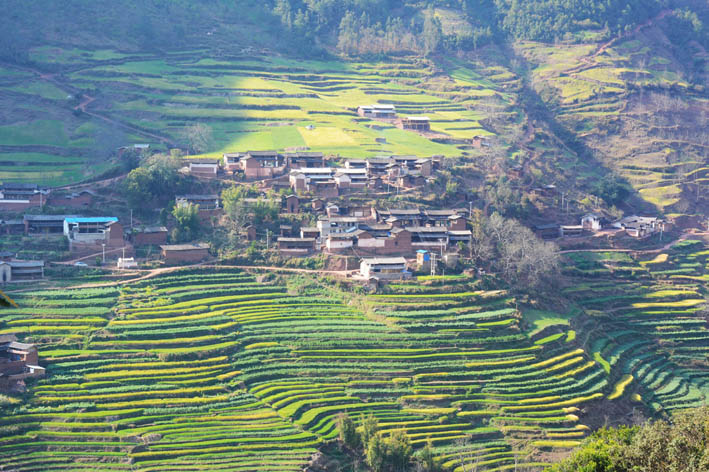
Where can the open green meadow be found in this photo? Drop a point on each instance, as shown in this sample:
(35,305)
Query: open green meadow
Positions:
(204,369)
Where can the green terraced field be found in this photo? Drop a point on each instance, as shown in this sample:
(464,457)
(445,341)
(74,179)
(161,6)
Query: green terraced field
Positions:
(202,370)
(250,102)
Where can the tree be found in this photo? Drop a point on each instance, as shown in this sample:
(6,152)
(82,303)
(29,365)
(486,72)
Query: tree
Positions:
(157,180)
(348,432)
(678,445)
(187,222)
(431,32)
(368,429)
(199,138)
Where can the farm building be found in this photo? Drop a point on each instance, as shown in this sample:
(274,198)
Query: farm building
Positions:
(179,253)
(13,226)
(415,123)
(13,270)
(570,230)
(81,199)
(382,112)
(18,196)
(547,231)
(204,168)
(386,268)
(147,235)
(94,230)
(45,224)
(296,246)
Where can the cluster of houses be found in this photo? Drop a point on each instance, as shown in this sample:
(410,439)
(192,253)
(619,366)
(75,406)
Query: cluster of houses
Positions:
(387,112)
(369,231)
(17,197)
(311,172)
(18,361)
(634,226)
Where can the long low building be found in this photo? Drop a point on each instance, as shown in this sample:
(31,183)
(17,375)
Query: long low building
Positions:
(384,268)
(177,253)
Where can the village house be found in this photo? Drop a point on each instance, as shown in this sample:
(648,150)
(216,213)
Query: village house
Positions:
(232,161)
(18,361)
(379,111)
(19,196)
(94,231)
(262,164)
(640,226)
(184,253)
(384,268)
(395,241)
(149,235)
(291,203)
(480,141)
(376,166)
(415,123)
(591,222)
(208,205)
(208,168)
(297,247)
(357,178)
(414,164)
(298,160)
(301,179)
(309,232)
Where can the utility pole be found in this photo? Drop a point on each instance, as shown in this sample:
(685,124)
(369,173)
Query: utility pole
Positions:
(268,239)
(433,263)
(103,248)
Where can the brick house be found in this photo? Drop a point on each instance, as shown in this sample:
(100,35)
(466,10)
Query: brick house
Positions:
(149,235)
(18,361)
(18,196)
(262,164)
(184,253)
(415,123)
(291,204)
(296,246)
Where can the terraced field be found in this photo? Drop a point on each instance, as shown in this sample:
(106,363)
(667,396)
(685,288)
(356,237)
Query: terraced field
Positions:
(250,102)
(203,370)
(647,327)
(637,108)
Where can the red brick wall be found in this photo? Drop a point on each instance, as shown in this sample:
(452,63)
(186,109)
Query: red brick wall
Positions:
(142,239)
(193,255)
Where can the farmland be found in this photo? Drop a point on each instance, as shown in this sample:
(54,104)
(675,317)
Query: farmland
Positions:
(249,102)
(227,369)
